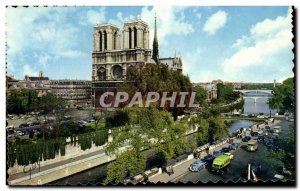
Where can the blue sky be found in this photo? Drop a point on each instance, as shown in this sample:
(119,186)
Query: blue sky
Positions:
(250,44)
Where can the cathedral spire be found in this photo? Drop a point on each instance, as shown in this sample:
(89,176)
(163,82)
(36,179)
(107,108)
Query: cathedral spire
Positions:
(155,55)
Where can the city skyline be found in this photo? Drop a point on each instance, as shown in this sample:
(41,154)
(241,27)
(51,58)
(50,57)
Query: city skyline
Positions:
(59,40)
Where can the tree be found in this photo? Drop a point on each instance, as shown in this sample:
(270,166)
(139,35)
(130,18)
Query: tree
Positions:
(20,101)
(157,78)
(49,103)
(217,128)
(201,94)
(226,94)
(287,154)
(284,96)
(146,128)
(155,54)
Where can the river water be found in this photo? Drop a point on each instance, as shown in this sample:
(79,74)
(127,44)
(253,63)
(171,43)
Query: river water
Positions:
(97,174)
(260,106)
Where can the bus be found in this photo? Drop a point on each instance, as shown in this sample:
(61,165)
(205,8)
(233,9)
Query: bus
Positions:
(220,163)
(277,129)
(252,145)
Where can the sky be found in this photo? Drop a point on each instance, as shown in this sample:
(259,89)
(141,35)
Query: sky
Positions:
(249,44)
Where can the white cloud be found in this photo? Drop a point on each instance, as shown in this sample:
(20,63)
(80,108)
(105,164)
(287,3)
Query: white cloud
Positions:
(17,20)
(241,42)
(271,48)
(121,19)
(39,35)
(170,21)
(92,17)
(215,22)
(28,70)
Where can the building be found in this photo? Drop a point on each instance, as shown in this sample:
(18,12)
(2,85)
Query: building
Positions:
(76,92)
(38,83)
(174,63)
(211,89)
(111,60)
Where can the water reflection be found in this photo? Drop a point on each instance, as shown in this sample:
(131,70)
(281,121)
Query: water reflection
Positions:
(240,124)
(260,106)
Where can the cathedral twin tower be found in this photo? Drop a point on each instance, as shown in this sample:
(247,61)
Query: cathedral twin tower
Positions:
(111,58)
(135,35)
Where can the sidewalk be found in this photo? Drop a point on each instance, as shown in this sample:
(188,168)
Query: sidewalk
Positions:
(180,169)
(54,165)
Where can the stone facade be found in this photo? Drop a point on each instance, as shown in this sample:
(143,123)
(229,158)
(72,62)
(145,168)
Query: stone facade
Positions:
(38,83)
(76,92)
(211,89)
(111,59)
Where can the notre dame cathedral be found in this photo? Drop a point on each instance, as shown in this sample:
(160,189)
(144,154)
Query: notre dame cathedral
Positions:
(111,58)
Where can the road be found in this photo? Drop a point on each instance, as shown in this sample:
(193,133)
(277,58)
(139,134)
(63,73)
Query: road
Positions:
(242,158)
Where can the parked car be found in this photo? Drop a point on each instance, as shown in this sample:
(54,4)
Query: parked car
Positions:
(197,166)
(91,120)
(275,136)
(260,139)
(270,143)
(225,149)
(20,133)
(23,125)
(276,148)
(254,134)
(34,123)
(246,139)
(234,146)
(208,159)
(217,153)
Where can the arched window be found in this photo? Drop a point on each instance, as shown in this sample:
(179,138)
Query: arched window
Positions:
(100,40)
(101,73)
(135,37)
(115,40)
(130,31)
(105,40)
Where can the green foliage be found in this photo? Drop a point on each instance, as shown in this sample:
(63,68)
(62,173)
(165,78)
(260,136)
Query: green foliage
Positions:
(20,101)
(217,128)
(156,78)
(226,94)
(217,109)
(147,128)
(127,164)
(35,151)
(284,96)
(201,94)
(117,118)
(268,86)
(287,155)
(29,152)
(49,102)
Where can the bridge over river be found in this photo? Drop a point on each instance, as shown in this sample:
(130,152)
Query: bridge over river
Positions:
(256,94)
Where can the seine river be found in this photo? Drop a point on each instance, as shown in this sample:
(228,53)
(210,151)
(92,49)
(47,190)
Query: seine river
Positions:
(260,106)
